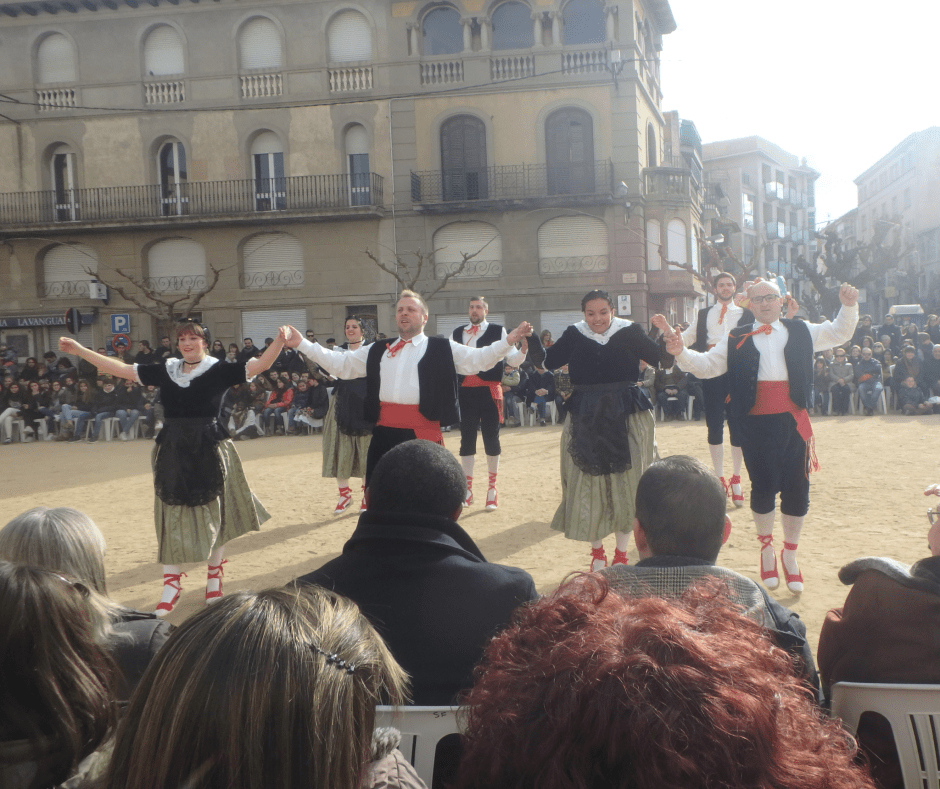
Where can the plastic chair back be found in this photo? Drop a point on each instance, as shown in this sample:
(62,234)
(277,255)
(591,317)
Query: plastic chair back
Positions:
(422,728)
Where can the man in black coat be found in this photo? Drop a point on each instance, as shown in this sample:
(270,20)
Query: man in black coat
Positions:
(418,576)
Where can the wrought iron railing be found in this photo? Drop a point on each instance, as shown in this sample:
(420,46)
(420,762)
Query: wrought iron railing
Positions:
(185,284)
(511,182)
(473,269)
(261,280)
(64,290)
(574,265)
(194,198)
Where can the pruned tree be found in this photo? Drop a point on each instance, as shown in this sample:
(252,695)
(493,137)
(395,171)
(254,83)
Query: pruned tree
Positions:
(409,275)
(720,257)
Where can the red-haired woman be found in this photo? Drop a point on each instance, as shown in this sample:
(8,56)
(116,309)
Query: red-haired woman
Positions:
(588,688)
(202,497)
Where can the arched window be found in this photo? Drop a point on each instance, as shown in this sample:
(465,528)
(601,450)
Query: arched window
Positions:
(457,239)
(64,272)
(350,37)
(267,157)
(654,261)
(677,242)
(176,265)
(56,60)
(572,244)
(65,184)
(273,260)
(463,158)
(651,158)
(357,157)
(259,45)
(163,52)
(441,32)
(584,23)
(569,141)
(512,27)
(171,170)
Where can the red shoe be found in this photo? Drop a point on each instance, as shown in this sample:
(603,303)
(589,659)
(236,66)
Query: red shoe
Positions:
(491,500)
(214,574)
(620,557)
(172,580)
(771,578)
(794,580)
(469,500)
(345,499)
(725,486)
(736,498)
(597,555)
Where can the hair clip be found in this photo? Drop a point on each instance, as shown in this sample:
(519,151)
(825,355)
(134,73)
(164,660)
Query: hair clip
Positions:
(335,660)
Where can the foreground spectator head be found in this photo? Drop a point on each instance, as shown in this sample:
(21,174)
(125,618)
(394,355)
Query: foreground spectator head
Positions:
(418,476)
(57,681)
(269,689)
(590,689)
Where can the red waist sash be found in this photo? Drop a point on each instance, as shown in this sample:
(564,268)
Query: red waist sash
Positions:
(773,397)
(496,391)
(408,417)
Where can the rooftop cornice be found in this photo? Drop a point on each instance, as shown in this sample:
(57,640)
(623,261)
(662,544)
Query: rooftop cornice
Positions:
(52,7)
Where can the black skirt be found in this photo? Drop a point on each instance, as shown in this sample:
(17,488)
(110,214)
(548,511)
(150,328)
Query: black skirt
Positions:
(599,442)
(188,470)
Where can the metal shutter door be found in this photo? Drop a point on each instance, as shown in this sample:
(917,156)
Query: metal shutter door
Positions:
(467,237)
(573,237)
(177,258)
(260,324)
(260,45)
(447,323)
(163,52)
(56,59)
(350,38)
(556,321)
(65,264)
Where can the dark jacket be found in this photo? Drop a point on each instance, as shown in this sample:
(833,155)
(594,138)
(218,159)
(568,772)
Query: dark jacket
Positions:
(427,589)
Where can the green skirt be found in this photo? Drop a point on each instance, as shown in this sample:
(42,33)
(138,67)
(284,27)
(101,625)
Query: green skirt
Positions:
(190,534)
(343,456)
(593,507)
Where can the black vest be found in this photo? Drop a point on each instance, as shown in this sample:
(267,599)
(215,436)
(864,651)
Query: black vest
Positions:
(493,333)
(701,327)
(437,381)
(743,364)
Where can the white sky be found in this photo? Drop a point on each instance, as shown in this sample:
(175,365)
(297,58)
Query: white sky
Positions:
(840,82)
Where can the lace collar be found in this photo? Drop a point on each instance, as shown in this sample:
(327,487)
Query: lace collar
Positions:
(174,368)
(616,324)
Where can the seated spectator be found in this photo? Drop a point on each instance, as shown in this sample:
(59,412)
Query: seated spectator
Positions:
(892,331)
(67,541)
(648,381)
(145,354)
(14,401)
(151,413)
(855,355)
(693,389)
(930,373)
(30,371)
(540,389)
(679,529)
(310,403)
(591,689)
(78,412)
(862,329)
(277,404)
(103,405)
(129,405)
(924,346)
(232,354)
(7,358)
(868,381)
(671,395)
(56,698)
(885,631)
(933,328)
(563,390)
(820,386)
(419,577)
(842,378)
(911,400)
(218,350)
(249,351)
(546,339)
(269,689)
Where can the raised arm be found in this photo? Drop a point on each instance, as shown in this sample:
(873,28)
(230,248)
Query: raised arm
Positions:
(261,363)
(105,364)
(470,361)
(340,364)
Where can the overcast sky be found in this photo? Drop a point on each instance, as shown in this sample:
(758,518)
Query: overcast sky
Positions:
(840,82)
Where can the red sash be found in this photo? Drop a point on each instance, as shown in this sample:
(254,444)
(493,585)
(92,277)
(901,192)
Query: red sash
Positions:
(496,391)
(773,397)
(408,417)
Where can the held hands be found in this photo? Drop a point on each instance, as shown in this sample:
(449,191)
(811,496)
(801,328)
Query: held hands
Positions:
(933,490)
(674,344)
(524,329)
(848,295)
(291,336)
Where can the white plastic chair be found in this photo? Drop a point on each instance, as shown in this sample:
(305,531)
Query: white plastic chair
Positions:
(422,728)
(658,412)
(914,714)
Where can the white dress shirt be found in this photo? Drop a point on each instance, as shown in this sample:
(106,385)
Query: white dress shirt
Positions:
(399,382)
(714,331)
(515,357)
(773,366)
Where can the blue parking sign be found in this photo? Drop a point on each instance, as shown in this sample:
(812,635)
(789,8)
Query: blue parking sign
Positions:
(121,323)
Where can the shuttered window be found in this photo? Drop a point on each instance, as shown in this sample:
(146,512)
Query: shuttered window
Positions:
(260,324)
(163,52)
(584,22)
(468,237)
(176,266)
(350,38)
(676,250)
(56,60)
(463,158)
(273,260)
(569,141)
(64,270)
(556,321)
(573,244)
(259,45)
(447,323)
(653,260)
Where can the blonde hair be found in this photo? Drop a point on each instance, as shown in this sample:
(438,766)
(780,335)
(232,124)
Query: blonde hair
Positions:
(275,688)
(410,294)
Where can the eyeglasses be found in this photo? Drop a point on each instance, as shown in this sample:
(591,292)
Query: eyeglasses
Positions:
(840,356)
(765,299)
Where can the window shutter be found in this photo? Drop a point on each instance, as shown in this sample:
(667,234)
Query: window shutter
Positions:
(676,242)
(163,52)
(64,273)
(260,47)
(350,38)
(259,324)
(573,236)
(56,59)
(273,259)
(468,237)
(176,265)
(556,321)
(447,323)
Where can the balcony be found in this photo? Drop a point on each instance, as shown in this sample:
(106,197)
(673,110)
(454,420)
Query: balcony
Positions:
(672,185)
(775,230)
(774,189)
(302,196)
(674,282)
(483,187)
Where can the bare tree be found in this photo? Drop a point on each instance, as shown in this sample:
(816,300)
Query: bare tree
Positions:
(408,275)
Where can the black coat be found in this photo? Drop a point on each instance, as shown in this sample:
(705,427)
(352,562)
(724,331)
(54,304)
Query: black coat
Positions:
(429,592)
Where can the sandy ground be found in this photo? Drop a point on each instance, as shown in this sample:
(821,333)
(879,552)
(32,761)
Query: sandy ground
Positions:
(867,500)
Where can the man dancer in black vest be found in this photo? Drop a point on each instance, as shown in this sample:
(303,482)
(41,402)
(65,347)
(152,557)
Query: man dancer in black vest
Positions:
(707,329)
(411,381)
(481,398)
(770,363)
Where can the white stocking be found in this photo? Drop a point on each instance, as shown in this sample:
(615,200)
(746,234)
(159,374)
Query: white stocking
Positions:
(765,526)
(718,458)
(792,526)
(492,465)
(215,560)
(342,483)
(169,592)
(737,458)
(467,462)
(623,540)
